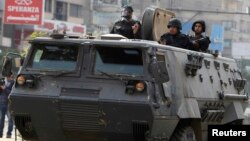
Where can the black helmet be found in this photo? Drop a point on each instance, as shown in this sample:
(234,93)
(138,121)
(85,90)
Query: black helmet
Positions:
(129,8)
(203,24)
(127,12)
(175,22)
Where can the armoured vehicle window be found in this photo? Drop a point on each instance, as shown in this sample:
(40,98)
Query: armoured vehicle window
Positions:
(118,61)
(54,57)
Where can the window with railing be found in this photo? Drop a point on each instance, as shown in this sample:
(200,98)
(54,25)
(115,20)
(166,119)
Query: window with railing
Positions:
(227,43)
(229,25)
(48,6)
(107,2)
(76,10)
(113,2)
(125,2)
(244,26)
(1,4)
(61,11)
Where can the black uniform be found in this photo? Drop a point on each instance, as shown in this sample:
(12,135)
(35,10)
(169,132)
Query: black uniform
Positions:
(202,41)
(180,40)
(124,28)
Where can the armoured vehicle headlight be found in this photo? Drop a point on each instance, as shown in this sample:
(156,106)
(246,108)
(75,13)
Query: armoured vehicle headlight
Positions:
(21,80)
(140,86)
(135,86)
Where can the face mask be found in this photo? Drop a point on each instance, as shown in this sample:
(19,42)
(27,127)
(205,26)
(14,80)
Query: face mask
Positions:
(127,14)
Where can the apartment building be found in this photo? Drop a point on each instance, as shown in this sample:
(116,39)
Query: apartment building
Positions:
(224,27)
(71,15)
(58,15)
(227,20)
(104,14)
(6,36)
(64,10)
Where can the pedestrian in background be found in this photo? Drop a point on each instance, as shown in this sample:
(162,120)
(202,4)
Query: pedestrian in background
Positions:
(5,90)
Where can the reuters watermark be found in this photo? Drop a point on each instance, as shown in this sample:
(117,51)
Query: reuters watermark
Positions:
(219,132)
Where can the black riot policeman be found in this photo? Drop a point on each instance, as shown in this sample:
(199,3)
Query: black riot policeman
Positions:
(127,26)
(200,42)
(174,37)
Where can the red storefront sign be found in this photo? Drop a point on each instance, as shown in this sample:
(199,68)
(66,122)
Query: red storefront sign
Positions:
(23,12)
(70,28)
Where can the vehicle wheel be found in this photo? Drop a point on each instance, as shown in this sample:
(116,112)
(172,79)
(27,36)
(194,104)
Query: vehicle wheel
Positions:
(184,134)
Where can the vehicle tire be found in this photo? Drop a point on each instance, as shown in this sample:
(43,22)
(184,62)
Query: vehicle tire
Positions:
(184,134)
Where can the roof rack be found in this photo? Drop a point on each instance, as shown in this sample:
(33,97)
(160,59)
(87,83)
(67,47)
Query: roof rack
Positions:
(57,35)
(112,37)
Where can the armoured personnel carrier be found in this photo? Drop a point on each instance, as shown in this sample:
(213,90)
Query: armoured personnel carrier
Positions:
(128,90)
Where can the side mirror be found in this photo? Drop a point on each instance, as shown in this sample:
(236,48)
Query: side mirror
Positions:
(159,71)
(7,66)
(19,62)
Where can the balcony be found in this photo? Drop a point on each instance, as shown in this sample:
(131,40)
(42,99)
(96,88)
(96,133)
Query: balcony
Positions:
(61,17)
(107,5)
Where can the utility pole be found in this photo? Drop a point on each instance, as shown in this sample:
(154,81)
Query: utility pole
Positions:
(1,35)
(171,4)
(2,26)
(158,3)
(91,12)
(22,37)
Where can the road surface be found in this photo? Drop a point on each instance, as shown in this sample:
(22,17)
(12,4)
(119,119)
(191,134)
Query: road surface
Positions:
(13,138)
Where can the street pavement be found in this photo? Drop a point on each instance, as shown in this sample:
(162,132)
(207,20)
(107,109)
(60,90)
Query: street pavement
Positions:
(18,136)
(13,138)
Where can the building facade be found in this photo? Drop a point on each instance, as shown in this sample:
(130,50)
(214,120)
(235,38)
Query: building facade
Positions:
(70,15)
(6,36)
(64,10)
(228,21)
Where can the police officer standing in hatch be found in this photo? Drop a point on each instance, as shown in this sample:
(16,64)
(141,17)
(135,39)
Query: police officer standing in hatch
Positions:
(127,26)
(174,37)
(200,42)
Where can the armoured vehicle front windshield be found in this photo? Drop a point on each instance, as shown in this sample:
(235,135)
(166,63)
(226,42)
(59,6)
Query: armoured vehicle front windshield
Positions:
(118,61)
(54,57)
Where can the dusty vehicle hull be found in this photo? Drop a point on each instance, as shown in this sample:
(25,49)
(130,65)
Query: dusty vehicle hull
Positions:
(133,90)
(74,120)
(86,107)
